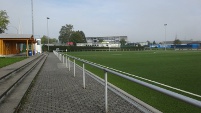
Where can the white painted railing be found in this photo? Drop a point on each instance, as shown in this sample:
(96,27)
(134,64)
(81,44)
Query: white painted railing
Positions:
(186,99)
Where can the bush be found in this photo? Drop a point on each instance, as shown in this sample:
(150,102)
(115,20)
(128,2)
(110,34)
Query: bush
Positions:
(89,48)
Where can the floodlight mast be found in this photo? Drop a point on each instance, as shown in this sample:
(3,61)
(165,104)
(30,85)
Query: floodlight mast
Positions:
(165,36)
(48,33)
(32,17)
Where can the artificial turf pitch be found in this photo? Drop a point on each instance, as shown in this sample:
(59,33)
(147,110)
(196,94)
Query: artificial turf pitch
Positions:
(179,69)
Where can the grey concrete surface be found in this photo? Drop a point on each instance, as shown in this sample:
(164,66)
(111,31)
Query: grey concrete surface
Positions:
(57,91)
(12,100)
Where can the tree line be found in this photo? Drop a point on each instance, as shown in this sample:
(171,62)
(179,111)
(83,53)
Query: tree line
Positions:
(67,34)
(44,40)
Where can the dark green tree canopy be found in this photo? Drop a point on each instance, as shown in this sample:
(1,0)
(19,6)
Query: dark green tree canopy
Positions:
(3,21)
(177,41)
(123,42)
(149,43)
(83,36)
(44,40)
(77,37)
(65,33)
(68,35)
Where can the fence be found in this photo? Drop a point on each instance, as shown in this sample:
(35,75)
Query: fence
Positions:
(106,70)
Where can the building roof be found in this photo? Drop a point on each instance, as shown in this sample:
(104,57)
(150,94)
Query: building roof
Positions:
(15,35)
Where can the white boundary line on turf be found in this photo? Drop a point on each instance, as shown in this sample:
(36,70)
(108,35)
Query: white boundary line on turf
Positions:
(187,92)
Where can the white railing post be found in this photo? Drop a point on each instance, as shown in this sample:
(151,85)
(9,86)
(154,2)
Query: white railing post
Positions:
(83,76)
(63,58)
(106,101)
(68,63)
(60,57)
(74,67)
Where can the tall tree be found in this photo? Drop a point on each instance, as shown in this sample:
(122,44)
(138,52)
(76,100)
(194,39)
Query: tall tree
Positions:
(53,40)
(3,21)
(65,33)
(83,36)
(122,42)
(149,43)
(154,42)
(177,41)
(77,37)
(44,40)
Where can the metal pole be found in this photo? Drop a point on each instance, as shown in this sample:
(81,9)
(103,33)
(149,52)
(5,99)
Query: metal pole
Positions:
(74,67)
(63,59)
(32,17)
(83,76)
(48,34)
(165,35)
(68,63)
(106,101)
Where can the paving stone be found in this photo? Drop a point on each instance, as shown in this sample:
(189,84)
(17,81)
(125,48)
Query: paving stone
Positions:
(57,91)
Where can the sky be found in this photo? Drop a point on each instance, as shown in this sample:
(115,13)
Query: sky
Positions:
(139,20)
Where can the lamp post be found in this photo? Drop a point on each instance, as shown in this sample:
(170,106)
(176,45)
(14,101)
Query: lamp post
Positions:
(48,34)
(165,35)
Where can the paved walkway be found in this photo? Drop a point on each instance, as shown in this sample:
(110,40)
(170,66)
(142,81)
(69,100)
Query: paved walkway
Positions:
(57,91)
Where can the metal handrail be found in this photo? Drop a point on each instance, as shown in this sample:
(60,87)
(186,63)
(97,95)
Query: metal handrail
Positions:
(186,99)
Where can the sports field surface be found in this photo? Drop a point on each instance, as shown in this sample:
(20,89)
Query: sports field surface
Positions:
(178,69)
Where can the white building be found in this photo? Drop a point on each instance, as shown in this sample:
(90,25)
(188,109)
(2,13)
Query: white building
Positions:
(110,41)
(38,46)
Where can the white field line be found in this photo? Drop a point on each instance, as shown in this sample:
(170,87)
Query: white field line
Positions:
(187,92)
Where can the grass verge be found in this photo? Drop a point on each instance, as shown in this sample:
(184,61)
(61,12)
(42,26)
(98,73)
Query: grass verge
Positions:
(4,61)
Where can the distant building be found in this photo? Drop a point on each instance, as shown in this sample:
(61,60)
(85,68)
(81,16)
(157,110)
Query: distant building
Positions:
(143,43)
(110,41)
(184,44)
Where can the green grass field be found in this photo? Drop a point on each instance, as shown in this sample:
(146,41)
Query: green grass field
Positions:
(4,61)
(180,69)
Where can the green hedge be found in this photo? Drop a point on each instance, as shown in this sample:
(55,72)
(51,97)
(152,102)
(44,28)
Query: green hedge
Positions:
(89,48)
